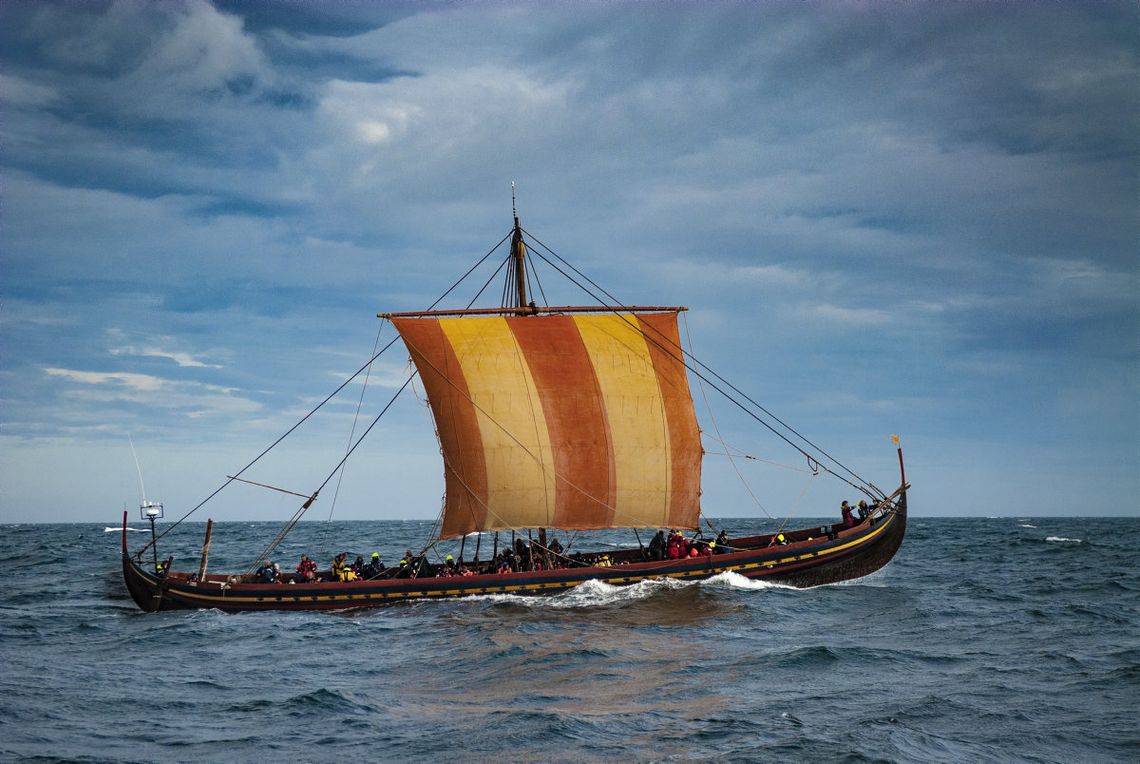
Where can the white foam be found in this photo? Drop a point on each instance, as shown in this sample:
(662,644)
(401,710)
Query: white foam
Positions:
(733,580)
(1025,525)
(116,529)
(1062,538)
(589,593)
(595,593)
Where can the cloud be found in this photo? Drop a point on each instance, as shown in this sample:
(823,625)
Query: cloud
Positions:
(134,382)
(390,375)
(191,399)
(949,191)
(184,360)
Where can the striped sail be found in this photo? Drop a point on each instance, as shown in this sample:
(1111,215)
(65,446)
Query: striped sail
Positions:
(580,421)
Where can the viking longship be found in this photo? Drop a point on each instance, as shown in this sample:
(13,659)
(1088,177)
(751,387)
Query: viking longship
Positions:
(576,418)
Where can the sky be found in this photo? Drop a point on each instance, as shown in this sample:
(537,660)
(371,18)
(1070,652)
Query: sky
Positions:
(885,218)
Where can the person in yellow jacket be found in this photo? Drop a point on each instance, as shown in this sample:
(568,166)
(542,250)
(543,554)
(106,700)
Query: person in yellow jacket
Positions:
(338,566)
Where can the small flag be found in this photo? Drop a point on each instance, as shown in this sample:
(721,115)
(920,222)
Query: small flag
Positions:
(895,439)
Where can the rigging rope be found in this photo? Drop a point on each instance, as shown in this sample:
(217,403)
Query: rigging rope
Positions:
(533,272)
(720,438)
(743,455)
(862,486)
(351,435)
(297,516)
(316,408)
(290,525)
(273,445)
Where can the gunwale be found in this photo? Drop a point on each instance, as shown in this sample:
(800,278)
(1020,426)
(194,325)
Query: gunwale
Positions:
(847,553)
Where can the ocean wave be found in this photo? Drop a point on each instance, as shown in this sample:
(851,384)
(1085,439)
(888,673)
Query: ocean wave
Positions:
(595,593)
(1063,539)
(734,580)
(1025,525)
(117,528)
(662,669)
(590,593)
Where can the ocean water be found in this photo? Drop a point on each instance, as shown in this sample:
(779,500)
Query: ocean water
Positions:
(1013,639)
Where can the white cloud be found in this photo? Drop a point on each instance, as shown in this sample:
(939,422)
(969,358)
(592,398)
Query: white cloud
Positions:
(188,398)
(184,360)
(388,375)
(202,52)
(130,380)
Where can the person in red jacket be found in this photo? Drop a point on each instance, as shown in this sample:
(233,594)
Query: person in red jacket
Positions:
(306,570)
(845,510)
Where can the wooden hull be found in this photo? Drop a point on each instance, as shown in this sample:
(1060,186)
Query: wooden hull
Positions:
(805,562)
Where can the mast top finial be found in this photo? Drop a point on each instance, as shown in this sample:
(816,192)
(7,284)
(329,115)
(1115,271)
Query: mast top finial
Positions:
(514,209)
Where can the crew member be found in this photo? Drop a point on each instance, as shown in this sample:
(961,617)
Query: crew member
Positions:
(266,574)
(845,510)
(338,566)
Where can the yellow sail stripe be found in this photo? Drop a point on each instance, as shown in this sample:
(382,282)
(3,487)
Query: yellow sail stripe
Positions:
(635,412)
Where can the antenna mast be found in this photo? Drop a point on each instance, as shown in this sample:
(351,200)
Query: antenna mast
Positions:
(142,488)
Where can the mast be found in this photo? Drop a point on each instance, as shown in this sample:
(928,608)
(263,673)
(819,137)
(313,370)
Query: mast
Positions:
(518,251)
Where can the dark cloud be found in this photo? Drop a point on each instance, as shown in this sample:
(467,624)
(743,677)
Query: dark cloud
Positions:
(932,204)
